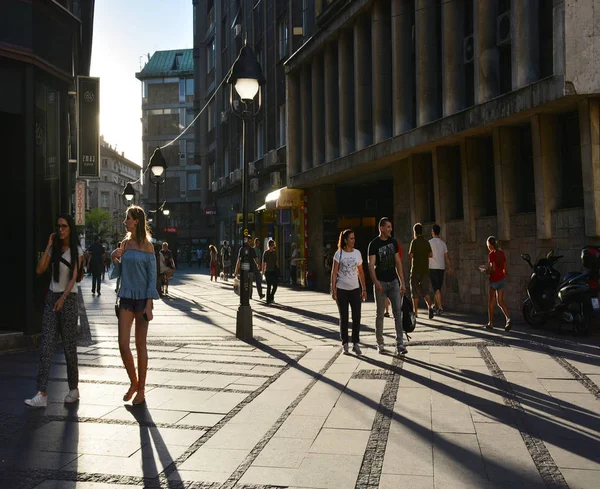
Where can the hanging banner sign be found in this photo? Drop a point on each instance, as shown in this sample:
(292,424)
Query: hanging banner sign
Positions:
(80,203)
(88,127)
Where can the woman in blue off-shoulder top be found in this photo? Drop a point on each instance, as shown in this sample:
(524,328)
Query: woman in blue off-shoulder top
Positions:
(135,262)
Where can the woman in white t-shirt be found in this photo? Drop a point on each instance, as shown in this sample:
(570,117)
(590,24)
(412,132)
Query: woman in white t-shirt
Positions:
(346,274)
(65,256)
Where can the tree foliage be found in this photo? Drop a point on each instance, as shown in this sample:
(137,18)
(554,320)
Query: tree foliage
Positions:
(99,223)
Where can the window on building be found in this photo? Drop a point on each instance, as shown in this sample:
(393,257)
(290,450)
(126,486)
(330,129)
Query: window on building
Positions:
(182,89)
(282,37)
(189,88)
(104,162)
(569,161)
(488,178)
(210,55)
(182,152)
(210,115)
(525,183)
(193,181)
(104,199)
(282,125)
(226,161)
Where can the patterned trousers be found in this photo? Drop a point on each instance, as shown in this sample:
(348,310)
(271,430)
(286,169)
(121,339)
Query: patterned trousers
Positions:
(53,324)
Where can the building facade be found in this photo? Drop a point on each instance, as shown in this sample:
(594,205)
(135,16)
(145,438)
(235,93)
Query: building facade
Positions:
(44,46)
(483,117)
(106,193)
(167,108)
(220,30)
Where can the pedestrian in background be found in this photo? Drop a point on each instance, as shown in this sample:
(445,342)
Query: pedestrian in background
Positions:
(136,262)
(255,272)
(199,257)
(258,253)
(437,266)
(226,258)
(65,254)
(270,266)
(214,262)
(420,283)
(348,287)
(294,264)
(496,269)
(97,264)
(385,269)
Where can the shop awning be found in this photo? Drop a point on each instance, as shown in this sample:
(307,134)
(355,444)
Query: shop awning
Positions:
(261,208)
(284,198)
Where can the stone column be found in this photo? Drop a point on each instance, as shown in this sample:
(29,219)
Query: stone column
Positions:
(382,70)
(306,110)
(426,61)
(318,107)
(545,134)
(524,21)
(294,151)
(453,73)
(362,83)
(332,133)
(589,127)
(403,67)
(506,156)
(487,58)
(346,91)
(441,180)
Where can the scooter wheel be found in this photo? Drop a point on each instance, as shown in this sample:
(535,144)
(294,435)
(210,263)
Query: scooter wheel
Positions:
(583,327)
(534,320)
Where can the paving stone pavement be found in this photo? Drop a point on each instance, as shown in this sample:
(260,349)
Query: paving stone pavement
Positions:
(466,408)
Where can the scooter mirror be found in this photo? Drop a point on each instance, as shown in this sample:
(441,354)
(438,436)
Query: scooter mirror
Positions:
(550,254)
(526,257)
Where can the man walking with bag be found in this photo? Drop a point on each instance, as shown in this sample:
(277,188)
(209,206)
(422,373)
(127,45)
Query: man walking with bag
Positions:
(385,269)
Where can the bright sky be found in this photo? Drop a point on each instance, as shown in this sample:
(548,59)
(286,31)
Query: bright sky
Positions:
(125,31)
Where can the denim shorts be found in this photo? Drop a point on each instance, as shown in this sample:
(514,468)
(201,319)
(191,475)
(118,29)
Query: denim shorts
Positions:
(501,284)
(133,305)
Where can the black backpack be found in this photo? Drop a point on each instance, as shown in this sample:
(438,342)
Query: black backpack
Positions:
(409,320)
(226,253)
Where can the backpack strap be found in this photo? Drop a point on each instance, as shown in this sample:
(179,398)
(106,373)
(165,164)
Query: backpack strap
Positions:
(65,262)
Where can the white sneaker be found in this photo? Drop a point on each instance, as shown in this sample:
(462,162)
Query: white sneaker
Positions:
(72,396)
(401,350)
(345,346)
(381,348)
(37,401)
(356,349)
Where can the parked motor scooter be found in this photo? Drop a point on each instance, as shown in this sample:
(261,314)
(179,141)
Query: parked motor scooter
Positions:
(572,300)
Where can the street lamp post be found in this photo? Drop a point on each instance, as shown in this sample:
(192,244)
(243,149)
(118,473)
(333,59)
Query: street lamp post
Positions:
(158,167)
(247,78)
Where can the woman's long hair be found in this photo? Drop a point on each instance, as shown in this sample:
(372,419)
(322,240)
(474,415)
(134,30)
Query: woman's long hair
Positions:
(213,248)
(343,241)
(142,232)
(73,246)
(493,242)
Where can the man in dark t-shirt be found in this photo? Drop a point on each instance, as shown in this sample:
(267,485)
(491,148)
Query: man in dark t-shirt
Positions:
(385,269)
(96,263)
(420,283)
(254,274)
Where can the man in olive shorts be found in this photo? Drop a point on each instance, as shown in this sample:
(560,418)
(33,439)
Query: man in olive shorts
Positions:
(420,284)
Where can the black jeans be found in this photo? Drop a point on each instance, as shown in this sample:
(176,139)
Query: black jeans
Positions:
(96,277)
(271,278)
(352,298)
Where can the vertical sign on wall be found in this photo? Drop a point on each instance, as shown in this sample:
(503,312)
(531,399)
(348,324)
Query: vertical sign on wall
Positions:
(88,127)
(80,203)
(52,134)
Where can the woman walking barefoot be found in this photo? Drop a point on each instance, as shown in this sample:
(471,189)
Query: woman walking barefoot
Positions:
(497,271)
(60,310)
(137,263)
(346,273)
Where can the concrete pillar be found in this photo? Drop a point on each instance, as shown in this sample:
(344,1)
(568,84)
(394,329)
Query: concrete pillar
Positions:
(403,66)
(421,187)
(506,158)
(382,70)
(362,82)
(525,54)
(471,182)
(487,58)
(346,91)
(294,152)
(403,208)
(426,61)
(589,127)
(453,73)
(322,203)
(318,109)
(331,104)
(545,134)
(306,110)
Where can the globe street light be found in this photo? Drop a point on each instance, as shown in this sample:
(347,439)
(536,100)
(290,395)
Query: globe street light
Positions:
(158,167)
(128,194)
(247,78)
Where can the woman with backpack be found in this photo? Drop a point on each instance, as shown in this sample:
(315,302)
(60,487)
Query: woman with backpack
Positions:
(65,254)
